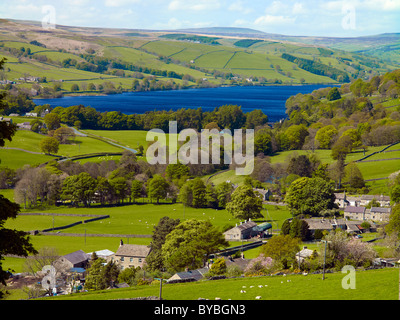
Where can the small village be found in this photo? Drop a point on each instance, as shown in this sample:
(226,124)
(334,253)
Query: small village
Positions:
(357,221)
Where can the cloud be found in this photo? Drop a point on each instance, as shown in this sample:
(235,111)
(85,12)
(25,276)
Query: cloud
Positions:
(240,7)
(268,20)
(119,3)
(298,8)
(194,5)
(277,7)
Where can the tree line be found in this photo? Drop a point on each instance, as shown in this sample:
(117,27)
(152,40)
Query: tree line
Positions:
(224,117)
(318,68)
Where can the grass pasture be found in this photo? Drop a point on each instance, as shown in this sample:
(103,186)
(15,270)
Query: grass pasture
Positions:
(370,285)
(136,219)
(15,159)
(379,169)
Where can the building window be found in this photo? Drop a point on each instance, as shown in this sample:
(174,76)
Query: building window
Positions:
(131,259)
(140,260)
(122,259)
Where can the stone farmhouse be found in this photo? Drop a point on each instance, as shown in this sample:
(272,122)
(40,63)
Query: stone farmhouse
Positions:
(350,226)
(74,260)
(378,214)
(130,255)
(343,200)
(240,232)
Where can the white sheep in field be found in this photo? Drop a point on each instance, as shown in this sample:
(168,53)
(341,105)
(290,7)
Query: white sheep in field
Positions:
(242,291)
(260,286)
(258,297)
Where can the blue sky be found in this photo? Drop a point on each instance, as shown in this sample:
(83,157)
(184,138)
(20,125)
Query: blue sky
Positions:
(342,18)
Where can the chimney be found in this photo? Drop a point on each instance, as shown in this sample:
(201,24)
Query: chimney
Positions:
(121,243)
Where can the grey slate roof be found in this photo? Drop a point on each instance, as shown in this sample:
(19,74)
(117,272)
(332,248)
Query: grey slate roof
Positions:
(353,209)
(247,225)
(380,210)
(133,250)
(77,257)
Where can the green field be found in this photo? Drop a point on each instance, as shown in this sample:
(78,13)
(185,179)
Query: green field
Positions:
(128,138)
(15,159)
(28,140)
(125,220)
(370,285)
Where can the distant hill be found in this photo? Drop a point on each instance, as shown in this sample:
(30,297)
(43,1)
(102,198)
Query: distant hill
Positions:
(77,60)
(224,31)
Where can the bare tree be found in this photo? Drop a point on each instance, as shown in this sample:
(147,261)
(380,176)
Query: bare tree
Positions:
(46,256)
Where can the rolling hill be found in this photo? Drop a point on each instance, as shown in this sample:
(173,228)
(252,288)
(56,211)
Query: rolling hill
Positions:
(74,60)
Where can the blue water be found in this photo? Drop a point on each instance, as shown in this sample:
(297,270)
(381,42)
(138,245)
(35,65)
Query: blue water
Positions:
(270,99)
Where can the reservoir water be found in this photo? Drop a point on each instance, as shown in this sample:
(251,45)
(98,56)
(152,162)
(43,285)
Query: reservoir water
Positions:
(270,99)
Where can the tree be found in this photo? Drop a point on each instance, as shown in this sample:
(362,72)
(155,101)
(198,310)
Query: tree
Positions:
(296,135)
(255,118)
(393,227)
(193,193)
(190,244)
(300,165)
(177,171)
(7,129)
(325,136)
(281,248)
(136,189)
(120,188)
(336,171)
(341,249)
(231,117)
(218,267)
(353,177)
(12,242)
(224,191)
(341,148)
(333,94)
(75,88)
(164,227)
(245,204)
(310,196)
(104,190)
(297,228)
(395,194)
(262,143)
(79,188)
(128,275)
(158,188)
(198,193)
(45,257)
(63,134)
(52,121)
(101,275)
(49,145)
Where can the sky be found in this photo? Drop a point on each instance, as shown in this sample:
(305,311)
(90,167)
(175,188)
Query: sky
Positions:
(337,18)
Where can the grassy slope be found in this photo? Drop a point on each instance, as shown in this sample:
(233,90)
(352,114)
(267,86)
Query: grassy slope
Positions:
(370,285)
(258,60)
(29,140)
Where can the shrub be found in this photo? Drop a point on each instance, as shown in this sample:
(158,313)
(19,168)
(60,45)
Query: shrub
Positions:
(259,266)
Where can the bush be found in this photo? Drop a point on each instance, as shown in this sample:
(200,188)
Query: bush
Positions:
(259,266)
(233,271)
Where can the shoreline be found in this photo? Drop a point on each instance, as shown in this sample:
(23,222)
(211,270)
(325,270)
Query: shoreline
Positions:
(102,94)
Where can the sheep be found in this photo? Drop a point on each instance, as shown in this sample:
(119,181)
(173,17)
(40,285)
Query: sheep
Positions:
(242,291)
(258,297)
